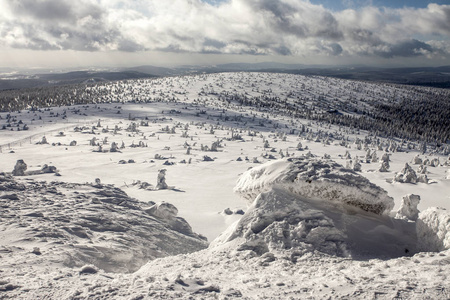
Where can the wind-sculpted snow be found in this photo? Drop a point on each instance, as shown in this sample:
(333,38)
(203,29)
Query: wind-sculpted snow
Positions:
(303,205)
(324,180)
(284,223)
(433,229)
(79,224)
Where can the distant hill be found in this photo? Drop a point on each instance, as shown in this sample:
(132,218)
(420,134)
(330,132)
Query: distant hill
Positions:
(424,76)
(49,79)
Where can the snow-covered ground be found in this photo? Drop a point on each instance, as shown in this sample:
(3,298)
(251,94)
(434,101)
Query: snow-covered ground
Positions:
(319,215)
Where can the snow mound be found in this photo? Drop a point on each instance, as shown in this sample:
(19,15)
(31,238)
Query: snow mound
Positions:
(433,229)
(306,205)
(284,223)
(73,225)
(319,179)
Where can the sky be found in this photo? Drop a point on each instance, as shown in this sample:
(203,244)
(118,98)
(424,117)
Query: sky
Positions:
(121,33)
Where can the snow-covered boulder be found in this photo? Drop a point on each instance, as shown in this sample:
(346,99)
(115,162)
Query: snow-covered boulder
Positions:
(78,224)
(304,205)
(324,180)
(408,209)
(433,229)
(163,210)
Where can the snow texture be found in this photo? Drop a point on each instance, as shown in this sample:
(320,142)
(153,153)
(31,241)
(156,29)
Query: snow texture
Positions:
(433,229)
(314,178)
(79,224)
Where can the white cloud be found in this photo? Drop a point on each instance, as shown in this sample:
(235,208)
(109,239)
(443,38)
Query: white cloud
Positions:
(280,27)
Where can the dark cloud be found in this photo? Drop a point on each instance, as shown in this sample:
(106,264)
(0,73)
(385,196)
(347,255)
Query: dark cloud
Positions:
(213,43)
(55,10)
(299,20)
(46,9)
(283,50)
(336,49)
(406,49)
(129,46)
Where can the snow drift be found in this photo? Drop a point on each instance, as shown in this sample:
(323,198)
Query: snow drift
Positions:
(78,224)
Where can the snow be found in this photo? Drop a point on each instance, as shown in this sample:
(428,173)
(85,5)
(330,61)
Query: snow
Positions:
(317,179)
(312,228)
(75,224)
(408,210)
(433,229)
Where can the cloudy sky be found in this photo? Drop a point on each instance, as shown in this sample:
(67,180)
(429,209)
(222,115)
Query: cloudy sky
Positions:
(72,33)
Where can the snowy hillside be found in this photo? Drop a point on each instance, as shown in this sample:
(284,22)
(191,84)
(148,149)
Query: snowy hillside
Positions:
(233,185)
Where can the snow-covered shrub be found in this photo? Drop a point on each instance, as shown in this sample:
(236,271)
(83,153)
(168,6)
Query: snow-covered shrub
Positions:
(408,209)
(356,166)
(406,175)
(384,167)
(422,169)
(374,157)
(416,160)
(347,155)
(161,180)
(207,158)
(43,141)
(19,168)
(433,229)
(114,147)
(434,162)
(422,178)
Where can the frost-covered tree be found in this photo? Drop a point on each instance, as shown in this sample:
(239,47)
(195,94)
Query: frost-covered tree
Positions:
(406,175)
(19,168)
(408,209)
(161,180)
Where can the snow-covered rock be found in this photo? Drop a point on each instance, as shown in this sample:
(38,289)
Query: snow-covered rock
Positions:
(78,224)
(433,229)
(408,209)
(313,178)
(305,205)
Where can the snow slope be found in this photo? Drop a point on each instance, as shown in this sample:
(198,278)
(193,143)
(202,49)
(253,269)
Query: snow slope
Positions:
(319,214)
(66,224)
